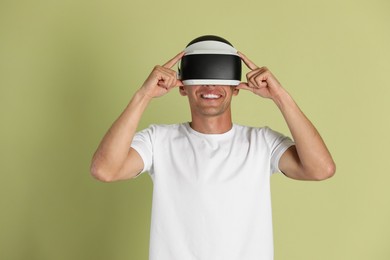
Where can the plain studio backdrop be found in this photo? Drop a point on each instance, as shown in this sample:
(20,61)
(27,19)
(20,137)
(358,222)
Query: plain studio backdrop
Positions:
(68,68)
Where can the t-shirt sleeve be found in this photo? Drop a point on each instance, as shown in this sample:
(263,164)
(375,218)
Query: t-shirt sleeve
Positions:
(278,144)
(142,143)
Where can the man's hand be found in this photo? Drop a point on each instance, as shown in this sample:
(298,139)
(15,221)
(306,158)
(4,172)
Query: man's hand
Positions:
(259,80)
(309,159)
(162,79)
(114,159)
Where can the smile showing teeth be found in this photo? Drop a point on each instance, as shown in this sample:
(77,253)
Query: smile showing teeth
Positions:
(210,96)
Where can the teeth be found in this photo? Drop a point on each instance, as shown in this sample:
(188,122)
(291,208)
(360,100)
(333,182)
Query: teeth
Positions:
(210,96)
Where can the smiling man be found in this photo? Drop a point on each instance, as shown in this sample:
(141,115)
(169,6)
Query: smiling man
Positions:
(210,107)
(211,177)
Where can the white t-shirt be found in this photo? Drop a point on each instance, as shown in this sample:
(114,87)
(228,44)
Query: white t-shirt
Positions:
(211,192)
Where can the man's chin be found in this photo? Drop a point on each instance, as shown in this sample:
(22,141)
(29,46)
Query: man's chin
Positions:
(213,111)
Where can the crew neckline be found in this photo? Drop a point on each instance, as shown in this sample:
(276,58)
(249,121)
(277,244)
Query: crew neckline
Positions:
(229,133)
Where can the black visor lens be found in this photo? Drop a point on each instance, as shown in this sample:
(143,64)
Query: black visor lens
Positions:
(210,66)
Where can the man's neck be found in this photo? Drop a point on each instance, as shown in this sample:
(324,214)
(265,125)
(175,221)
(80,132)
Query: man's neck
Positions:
(212,125)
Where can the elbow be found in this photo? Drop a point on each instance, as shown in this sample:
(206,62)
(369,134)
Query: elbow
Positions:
(326,172)
(101,174)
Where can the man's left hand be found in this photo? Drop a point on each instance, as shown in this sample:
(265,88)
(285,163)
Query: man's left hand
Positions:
(260,80)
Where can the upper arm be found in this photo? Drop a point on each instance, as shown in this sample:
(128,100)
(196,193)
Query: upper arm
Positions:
(290,164)
(132,166)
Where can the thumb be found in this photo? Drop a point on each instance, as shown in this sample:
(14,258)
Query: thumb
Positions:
(243,85)
(179,83)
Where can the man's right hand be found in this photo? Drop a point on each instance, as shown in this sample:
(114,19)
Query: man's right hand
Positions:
(115,159)
(162,79)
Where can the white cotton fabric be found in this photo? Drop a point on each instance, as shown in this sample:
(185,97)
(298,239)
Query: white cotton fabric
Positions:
(211,192)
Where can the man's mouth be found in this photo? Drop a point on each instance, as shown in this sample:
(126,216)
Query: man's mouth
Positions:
(210,96)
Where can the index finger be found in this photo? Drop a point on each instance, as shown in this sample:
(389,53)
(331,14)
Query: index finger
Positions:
(247,61)
(174,60)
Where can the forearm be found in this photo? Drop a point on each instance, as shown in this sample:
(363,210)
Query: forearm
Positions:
(315,161)
(309,159)
(114,147)
(114,159)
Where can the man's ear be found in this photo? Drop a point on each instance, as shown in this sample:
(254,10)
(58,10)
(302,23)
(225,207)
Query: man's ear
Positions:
(182,91)
(235,91)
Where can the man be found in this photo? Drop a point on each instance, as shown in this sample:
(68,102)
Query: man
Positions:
(211,177)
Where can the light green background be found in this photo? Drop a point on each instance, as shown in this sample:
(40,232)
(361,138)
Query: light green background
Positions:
(69,67)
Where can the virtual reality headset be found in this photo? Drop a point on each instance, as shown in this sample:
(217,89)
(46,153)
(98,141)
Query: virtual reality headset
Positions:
(210,60)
